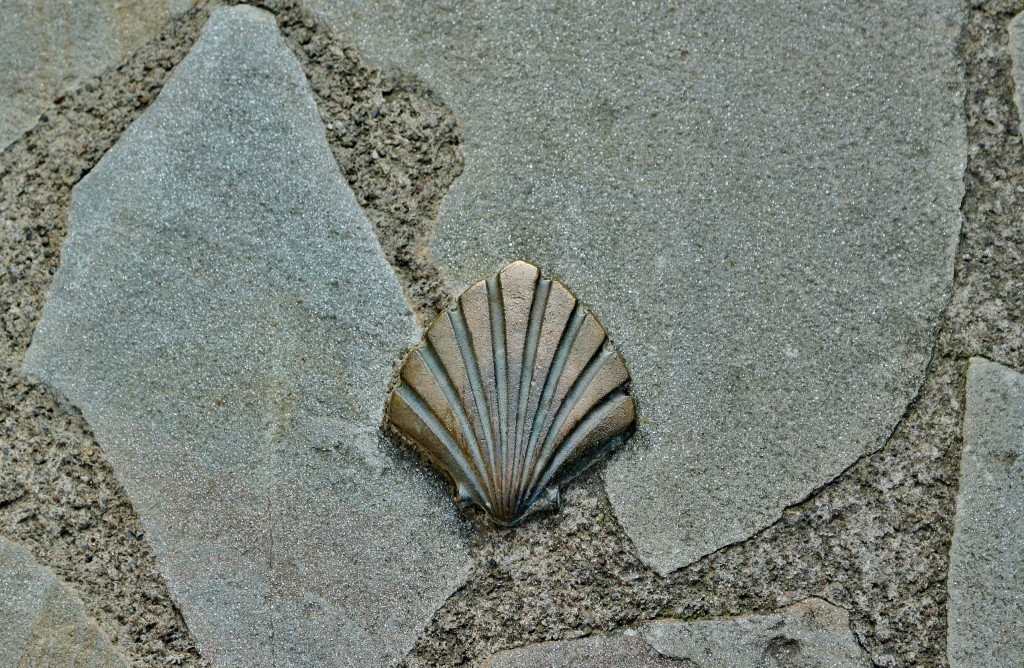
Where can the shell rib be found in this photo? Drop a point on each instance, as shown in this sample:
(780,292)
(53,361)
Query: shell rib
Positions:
(513,391)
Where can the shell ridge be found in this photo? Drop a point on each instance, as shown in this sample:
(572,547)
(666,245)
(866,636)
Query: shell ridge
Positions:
(518,283)
(544,406)
(604,408)
(579,388)
(556,319)
(497,313)
(443,456)
(444,382)
(427,417)
(588,342)
(537,310)
(475,309)
(476,391)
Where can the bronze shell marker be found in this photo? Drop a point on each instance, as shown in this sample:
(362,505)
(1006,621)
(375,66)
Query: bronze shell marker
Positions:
(515,390)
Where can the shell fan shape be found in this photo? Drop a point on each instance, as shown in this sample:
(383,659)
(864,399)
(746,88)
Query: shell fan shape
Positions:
(513,391)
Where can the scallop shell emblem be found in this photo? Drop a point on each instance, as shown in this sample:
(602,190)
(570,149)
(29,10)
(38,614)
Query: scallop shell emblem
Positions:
(513,391)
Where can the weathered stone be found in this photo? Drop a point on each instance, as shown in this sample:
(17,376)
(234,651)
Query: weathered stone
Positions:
(759,201)
(601,650)
(46,45)
(226,322)
(809,634)
(986,560)
(1016,34)
(42,624)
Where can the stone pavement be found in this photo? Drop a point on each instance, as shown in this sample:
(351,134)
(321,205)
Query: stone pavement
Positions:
(42,624)
(809,634)
(761,203)
(761,209)
(48,45)
(986,561)
(226,321)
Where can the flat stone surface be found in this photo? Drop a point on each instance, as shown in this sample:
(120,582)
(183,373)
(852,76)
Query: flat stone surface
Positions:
(601,650)
(227,324)
(47,45)
(986,560)
(42,624)
(1016,33)
(760,201)
(809,634)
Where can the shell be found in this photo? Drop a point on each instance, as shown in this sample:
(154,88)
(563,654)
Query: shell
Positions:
(513,391)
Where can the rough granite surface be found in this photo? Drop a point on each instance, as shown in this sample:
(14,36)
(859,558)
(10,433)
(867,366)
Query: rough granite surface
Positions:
(759,201)
(986,560)
(42,624)
(808,634)
(47,45)
(226,322)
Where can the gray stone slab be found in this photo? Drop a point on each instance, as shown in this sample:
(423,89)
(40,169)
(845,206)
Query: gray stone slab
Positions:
(760,201)
(47,45)
(601,650)
(809,634)
(42,623)
(1016,34)
(228,325)
(986,560)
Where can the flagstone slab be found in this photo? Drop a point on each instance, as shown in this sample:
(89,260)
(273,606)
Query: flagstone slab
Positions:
(1016,39)
(986,559)
(48,45)
(225,320)
(760,201)
(601,650)
(809,634)
(42,623)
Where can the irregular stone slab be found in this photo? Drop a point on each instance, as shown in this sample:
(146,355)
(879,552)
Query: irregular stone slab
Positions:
(809,634)
(601,650)
(1016,33)
(46,45)
(228,325)
(42,624)
(760,202)
(986,560)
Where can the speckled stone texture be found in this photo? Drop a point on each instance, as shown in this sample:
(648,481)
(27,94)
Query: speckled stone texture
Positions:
(601,650)
(760,202)
(1016,44)
(46,45)
(42,624)
(226,322)
(809,634)
(986,560)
